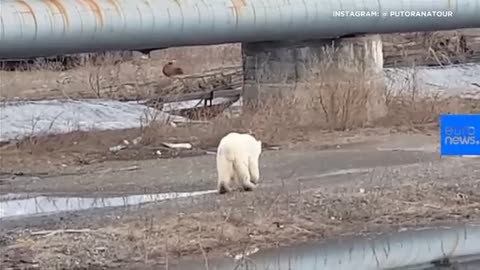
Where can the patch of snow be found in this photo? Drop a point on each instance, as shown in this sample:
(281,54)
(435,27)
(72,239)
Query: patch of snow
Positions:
(20,119)
(454,80)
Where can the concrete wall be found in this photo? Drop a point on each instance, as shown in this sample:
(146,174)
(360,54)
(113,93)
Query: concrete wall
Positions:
(346,74)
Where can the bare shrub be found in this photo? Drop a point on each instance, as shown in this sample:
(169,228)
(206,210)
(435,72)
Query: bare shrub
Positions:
(119,76)
(336,106)
(329,91)
(321,99)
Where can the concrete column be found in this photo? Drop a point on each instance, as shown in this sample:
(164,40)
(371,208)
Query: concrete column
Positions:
(345,72)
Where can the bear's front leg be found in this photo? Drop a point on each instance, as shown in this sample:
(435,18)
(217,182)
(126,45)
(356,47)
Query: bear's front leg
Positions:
(225,172)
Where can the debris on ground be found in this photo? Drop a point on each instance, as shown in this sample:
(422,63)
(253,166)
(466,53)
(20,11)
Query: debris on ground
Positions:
(238,231)
(117,148)
(178,145)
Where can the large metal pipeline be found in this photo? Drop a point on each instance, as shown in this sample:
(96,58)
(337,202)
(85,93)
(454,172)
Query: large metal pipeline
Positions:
(33,28)
(410,249)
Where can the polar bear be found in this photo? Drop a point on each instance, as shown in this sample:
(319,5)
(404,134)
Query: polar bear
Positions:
(237,160)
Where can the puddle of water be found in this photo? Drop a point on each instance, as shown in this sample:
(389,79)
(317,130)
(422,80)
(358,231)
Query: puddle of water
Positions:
(17,205)
(48,205)
(406,249)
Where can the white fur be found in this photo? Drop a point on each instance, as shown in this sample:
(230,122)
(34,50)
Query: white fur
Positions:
(237,160)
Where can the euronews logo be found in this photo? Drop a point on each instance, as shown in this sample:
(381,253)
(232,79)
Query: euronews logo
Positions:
(459,134)
(465,135)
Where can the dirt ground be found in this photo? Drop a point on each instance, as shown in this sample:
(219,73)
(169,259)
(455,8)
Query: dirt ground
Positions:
(27,167)
(316,183)
(308,192)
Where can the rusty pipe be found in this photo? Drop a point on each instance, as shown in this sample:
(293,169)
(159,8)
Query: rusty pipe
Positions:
(34,28)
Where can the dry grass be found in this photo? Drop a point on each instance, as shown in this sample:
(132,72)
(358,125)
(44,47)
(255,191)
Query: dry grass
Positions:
(112,77)
(275,218)
(341,106)
(323,100)
(431,48)
(315,106)
(278,121)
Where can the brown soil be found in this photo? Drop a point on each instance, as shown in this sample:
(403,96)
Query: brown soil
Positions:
(64,152)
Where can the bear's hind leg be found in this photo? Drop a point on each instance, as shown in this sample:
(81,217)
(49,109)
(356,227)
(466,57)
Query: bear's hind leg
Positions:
(254,171)
(243,175)
(224,171)
(223,186)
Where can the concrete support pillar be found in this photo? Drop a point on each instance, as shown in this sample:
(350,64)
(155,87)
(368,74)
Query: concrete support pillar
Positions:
(345,75)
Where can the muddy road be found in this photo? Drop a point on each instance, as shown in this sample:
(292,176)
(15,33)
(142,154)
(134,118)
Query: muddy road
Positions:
(199,173)
(306,193)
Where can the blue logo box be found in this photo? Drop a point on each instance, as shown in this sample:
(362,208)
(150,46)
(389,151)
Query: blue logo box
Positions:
(459,134)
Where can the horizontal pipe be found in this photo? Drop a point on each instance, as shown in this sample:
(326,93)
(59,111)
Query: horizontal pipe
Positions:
(34,28)
(406,249)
